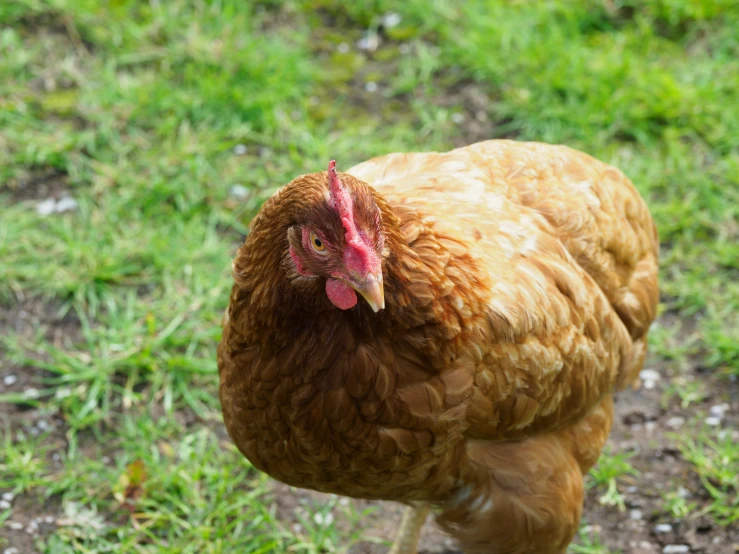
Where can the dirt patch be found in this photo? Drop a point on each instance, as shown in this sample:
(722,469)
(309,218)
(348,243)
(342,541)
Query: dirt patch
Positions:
(36,185)
(33,517)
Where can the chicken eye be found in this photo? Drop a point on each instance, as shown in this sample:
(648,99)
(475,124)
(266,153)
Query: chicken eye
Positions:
(318,245)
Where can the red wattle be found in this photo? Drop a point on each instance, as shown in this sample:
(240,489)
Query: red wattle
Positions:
(341,295)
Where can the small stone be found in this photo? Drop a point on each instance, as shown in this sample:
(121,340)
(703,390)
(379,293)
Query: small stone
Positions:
(238,191)
(632,489)
(297,528)
(648,375)
(675,549)
(42,424)
(4,505)
(649,385)
(369,43)
(719,410)
(342,48)
(713,421)
(457,118)
(11,550)
(650,426)
(15,525)
(390,20)
(323,520)
(239,149)
(370,86)
(65,204)
(49,520)
(675,422)
(636,515)
(9,380)
(62,393)
(8,496)
(682,492)
(31,393)
(663,528)
(344,501)
(56,456)
(46,207)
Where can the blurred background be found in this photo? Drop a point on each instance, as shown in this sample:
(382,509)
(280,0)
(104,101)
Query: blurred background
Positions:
(137,138)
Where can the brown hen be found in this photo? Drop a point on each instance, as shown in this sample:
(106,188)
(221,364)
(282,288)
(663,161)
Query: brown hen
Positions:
(508,289)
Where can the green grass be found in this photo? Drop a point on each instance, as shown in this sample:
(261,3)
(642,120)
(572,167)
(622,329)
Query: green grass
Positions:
(135,108)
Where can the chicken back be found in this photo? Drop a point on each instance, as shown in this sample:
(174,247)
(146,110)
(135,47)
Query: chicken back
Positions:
(518,283)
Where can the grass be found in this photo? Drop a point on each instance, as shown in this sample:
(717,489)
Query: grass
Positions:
(152,115)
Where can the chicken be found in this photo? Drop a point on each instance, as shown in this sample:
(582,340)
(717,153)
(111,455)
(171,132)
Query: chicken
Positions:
(507,291)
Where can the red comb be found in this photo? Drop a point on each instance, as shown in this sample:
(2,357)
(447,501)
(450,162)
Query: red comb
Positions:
(341,201)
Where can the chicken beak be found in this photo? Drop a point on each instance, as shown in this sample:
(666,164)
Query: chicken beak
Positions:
(372,291)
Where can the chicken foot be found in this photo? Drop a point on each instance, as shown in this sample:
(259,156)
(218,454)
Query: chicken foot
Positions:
(406,541)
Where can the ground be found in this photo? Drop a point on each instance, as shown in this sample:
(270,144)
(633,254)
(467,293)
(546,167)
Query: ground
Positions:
(137,139)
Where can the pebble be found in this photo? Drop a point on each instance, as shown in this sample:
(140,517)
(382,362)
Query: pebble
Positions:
(369,43)
(9,380)
(239,149)
(370,86)
(8,496)
(675,549)
(4,505)
(65,204)
(15,525)
(31,393)
(62,393)
(343,48)
(46,207)
(675,422)
(713,421)
(42,424)
(635,515)
(52,206)
(682,492)
(11,550)
(238,191)
(650,426)
(719,410)
(390,20)
(662,528)
(649,375)
(632,489)
(297,528)
(323,520)
(457,118)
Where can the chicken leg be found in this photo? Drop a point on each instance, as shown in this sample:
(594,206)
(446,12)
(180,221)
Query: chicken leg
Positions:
(406,542)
